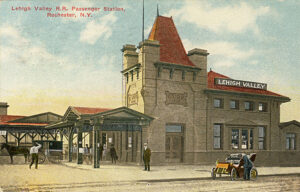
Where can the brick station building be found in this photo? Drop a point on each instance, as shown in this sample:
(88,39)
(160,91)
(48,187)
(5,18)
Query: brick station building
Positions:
(184,113)
(202,116)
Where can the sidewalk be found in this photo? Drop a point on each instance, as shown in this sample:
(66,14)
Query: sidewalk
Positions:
(168,173)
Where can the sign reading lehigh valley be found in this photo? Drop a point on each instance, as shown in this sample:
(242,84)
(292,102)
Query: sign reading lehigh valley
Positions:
(238,83)
(176,98)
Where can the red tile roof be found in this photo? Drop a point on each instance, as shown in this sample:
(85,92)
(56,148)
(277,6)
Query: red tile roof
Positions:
(171,47)
(5,118)
(88,110)
(211,85)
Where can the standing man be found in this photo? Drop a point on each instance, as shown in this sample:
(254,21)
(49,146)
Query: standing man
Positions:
(113,154)
(101,151)
(247,167)
(34,150)
(146,157)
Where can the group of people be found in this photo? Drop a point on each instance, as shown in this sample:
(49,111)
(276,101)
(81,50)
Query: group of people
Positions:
(102,149)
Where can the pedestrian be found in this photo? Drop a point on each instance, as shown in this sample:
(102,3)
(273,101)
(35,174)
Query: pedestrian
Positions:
(86,153)
(34,150)
(101,151)
(247,167)
(113,154)
(146,156)
(104,152)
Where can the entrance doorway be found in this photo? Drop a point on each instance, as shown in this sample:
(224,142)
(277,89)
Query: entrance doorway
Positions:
(174,143)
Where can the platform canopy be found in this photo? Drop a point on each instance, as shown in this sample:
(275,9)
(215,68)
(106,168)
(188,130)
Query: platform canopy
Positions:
(119,119)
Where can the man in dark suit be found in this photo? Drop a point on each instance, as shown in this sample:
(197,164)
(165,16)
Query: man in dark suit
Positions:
(247,167)
(146,157)
(113,154)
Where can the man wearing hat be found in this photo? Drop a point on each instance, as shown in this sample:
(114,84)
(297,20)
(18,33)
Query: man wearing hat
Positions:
(34,150)
(146,157)
(247,167)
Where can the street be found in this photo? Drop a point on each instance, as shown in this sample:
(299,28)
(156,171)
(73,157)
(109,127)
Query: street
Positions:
(54,177)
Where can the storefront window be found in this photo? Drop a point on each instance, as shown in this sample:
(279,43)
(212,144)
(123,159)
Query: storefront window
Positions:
(235,139)
(244,139)
(251,139)
(261,138)
(290,141)
(217,136)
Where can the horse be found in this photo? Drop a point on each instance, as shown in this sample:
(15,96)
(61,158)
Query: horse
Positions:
(12,150)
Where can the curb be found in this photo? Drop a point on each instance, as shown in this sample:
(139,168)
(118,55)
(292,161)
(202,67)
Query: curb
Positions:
(187,179)
(208,178)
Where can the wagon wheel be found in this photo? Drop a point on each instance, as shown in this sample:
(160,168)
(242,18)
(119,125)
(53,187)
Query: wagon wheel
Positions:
(213,173)
(253,174)
(42,158)
(233,174)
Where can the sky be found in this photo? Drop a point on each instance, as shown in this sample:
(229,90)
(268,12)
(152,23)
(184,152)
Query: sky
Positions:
(50,63)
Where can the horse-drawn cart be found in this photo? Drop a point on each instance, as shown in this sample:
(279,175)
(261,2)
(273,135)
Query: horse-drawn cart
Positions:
(51,150)
(234,166)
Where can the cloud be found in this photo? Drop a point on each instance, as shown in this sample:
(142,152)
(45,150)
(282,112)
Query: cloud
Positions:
(19,51)
(99,28)
(223,53)
(236,18)
(35,79)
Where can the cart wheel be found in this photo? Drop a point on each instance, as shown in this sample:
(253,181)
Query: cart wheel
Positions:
(253,174)
(42,158)
(233,174)
(213,173)
(29,159)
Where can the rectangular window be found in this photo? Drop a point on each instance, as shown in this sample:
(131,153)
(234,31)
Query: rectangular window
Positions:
(127,78)
(217,136)
(235,138)
(234,104)
(173,128)
(249,105)
(131,72)
(137,74)
(262,107)
(251,139)
(290,141)
(218,103)
(261,138)
(244,139)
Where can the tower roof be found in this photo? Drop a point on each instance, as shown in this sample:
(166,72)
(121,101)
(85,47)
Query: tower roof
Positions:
(171,47)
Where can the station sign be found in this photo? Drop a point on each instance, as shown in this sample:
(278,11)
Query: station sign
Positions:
(239,83)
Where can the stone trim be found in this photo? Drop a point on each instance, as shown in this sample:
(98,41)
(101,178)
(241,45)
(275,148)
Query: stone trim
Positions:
(132,68)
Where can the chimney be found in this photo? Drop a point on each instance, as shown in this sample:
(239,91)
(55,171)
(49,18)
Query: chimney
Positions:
(130,56)
(3,108)
(199,58)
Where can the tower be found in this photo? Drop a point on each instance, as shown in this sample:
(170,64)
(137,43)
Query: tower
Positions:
(164,82)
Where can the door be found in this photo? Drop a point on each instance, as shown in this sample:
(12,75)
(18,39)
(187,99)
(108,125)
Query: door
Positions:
(174,143)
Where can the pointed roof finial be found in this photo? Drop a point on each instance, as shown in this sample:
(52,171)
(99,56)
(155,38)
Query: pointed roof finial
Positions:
(157,11)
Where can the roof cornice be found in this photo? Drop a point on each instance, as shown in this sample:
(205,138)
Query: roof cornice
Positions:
(280,98)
